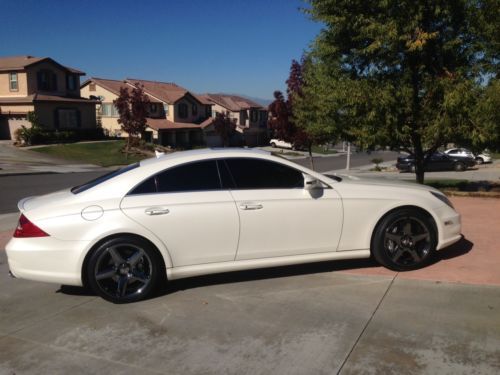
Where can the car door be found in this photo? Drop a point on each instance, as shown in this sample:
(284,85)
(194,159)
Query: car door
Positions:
(278,217)
(186,207)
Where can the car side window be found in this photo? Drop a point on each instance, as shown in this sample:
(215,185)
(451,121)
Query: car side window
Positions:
(250,173)
(197,176)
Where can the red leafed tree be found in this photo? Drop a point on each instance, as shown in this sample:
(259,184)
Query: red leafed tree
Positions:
(224,127)
(132,108)
(281,109)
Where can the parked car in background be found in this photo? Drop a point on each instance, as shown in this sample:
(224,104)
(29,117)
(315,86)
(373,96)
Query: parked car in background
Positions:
(280,143)
(438,162)
(205,211)
(481,158)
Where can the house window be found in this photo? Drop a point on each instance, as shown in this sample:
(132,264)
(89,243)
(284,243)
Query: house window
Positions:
(183,110)
(71,82)
(165,108)
(92,86)
(194,109)
(153,108)
(13,84)
(47,80)
(67,118)
(109,110)
(253,115)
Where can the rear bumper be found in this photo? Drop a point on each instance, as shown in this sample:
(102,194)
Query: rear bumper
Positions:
(46,259)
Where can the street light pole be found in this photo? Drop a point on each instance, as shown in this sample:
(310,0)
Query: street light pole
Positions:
(348,165)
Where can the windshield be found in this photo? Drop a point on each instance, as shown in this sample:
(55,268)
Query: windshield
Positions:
(101,179)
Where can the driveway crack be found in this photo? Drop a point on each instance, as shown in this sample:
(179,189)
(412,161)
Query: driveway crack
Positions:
(367,324)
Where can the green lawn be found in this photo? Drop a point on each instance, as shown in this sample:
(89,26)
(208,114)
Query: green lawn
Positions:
(104,154)
(321,150)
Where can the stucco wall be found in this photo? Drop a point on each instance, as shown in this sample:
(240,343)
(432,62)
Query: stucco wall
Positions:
(109,124)
(174,114)
(61,79)
(5,86)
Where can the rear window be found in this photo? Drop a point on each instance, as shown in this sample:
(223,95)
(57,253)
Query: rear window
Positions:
(101,179)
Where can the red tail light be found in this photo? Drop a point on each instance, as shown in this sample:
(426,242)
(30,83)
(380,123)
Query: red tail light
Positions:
(26,228)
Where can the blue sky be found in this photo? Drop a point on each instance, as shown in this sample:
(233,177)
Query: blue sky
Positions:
(206,46)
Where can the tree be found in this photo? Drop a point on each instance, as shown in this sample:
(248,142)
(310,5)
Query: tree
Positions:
(401,73)
(224,127)
(132,108)
(283,122)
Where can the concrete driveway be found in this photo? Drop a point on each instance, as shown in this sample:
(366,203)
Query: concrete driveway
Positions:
(336,317)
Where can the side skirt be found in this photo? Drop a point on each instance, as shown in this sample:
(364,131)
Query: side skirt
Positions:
(240,265)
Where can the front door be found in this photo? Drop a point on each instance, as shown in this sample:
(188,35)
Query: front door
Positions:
(186,207)
(278,217)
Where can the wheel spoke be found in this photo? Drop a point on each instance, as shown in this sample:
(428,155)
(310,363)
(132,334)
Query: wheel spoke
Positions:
(395,257)
(420,237)
(136,276)
(135,257)
(106,274)
(115,255)
(393,237)
(414,254)
(407,228)
(122,285)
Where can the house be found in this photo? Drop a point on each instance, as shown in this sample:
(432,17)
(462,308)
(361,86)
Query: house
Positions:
(175,117)
(45,87)
(250,117)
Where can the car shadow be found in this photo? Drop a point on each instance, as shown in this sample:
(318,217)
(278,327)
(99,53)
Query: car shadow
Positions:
(460,248)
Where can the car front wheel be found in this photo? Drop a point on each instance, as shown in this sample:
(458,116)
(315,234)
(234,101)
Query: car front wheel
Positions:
(404,240)
(479,160)
(125,269)
(459,167)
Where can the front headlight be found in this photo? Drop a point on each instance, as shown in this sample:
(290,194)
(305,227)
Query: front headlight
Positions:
(443,198)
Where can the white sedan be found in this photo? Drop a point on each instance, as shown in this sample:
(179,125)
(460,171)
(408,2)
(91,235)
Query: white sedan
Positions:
(208,211)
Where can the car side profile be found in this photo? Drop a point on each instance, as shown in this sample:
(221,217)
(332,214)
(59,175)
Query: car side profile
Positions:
(480,158)
(437,162)
(210,211)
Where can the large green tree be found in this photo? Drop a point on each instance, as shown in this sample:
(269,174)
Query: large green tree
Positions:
(401,73)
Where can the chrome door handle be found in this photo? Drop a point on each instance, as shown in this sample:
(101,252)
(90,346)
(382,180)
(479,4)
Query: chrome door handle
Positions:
(153,211)
(250,206)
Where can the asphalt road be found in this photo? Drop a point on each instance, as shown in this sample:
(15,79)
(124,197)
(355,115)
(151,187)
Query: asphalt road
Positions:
(15,187)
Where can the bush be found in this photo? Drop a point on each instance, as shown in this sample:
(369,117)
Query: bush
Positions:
(37,135)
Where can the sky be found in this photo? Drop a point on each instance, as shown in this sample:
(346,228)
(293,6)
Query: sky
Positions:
(226,46)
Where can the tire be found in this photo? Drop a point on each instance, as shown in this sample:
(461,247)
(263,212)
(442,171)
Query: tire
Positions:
(273,145)
(125,269)
(412,169)
(479,160)
(404,240)
(459,167)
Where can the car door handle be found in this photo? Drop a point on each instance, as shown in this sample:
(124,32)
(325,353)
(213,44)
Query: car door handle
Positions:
(251,206)
(153,211)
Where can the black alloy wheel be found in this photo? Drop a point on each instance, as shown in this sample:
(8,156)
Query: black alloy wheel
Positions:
(404,240)
(125,269)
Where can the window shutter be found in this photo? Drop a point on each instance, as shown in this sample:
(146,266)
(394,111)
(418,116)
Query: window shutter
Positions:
(39,80)
(78,118)
(56,118)
(54,82)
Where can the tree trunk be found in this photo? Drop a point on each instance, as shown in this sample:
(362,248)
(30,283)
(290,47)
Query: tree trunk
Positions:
(311,159)
(127,149)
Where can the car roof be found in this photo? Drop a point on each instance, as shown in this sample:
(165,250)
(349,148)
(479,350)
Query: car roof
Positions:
(206,153)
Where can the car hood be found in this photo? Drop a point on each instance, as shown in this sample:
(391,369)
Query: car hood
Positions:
(370,181)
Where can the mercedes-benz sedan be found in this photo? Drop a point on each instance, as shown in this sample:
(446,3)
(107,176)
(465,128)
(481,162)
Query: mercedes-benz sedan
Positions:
(209,211)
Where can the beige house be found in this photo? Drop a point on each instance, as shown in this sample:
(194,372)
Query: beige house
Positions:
(250,118)
(175,118)
(43,86)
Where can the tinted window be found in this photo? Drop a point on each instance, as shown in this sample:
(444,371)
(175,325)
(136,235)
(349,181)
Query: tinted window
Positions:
(187,177)
(263,174)
(99,180)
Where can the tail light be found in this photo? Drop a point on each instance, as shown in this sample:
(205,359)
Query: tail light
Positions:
(26,228)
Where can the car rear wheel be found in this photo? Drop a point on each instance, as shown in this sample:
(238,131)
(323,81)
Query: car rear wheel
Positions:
(479,160)
(125,269)
(459,167)
(273,145)
(404,240)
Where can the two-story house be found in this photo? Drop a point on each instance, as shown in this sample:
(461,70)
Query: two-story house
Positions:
(250,117)
(45,87)
(175,115)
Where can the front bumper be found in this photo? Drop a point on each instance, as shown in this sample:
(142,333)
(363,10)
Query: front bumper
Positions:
(449,227)
(46,259)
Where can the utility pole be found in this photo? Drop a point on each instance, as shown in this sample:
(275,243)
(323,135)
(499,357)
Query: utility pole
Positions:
(348,165)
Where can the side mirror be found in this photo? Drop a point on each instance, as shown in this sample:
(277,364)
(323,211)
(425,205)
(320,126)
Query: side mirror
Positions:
(311,183)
